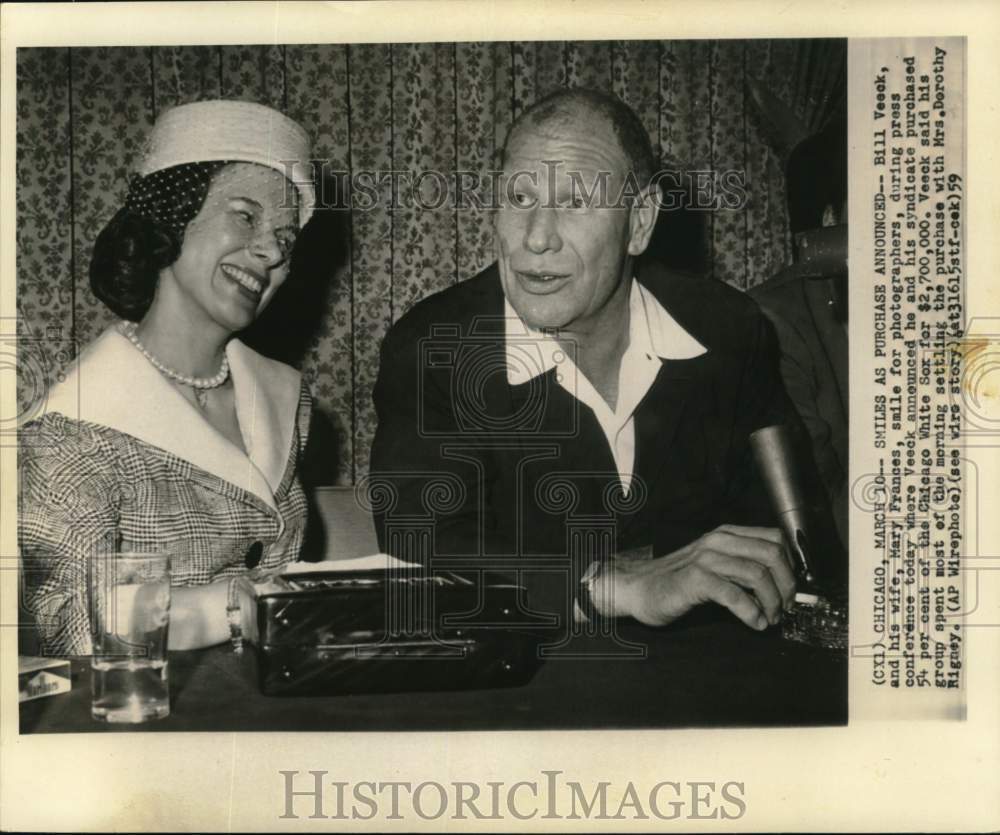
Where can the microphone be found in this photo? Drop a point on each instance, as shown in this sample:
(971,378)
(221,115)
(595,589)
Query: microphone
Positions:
(772,449)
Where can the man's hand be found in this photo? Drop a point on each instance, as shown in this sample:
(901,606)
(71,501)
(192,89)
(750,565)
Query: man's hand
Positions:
(744,569)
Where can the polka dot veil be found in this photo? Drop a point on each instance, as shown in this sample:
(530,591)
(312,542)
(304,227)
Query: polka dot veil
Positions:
(170,197)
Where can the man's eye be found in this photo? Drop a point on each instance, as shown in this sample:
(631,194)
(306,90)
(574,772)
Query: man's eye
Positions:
(245,215)
(523,201)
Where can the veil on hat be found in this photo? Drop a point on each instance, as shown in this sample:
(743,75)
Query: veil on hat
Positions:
(233,131)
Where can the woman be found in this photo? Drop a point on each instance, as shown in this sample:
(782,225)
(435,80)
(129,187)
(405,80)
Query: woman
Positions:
(170,434)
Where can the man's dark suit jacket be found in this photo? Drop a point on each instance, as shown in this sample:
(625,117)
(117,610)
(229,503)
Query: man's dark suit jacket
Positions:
(465,464)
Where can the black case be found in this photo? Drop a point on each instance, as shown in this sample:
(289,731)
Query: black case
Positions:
(382,631)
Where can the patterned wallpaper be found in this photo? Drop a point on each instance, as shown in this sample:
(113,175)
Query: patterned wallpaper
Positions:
(83,114)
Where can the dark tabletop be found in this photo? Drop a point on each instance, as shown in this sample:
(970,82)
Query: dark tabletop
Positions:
(704,673)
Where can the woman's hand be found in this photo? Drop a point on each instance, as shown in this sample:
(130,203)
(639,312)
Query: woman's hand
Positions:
(150,608)
(198,616)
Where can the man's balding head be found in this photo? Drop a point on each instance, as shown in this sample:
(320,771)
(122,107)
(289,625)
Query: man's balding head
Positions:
(574,212)
(585,110)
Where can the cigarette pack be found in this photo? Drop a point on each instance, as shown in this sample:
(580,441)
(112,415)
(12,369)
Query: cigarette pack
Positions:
(40,677)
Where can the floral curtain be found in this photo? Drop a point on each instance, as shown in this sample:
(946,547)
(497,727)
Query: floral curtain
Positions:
(83,113)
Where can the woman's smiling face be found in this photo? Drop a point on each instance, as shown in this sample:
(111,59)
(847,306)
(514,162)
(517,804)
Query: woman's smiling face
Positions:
(235,253)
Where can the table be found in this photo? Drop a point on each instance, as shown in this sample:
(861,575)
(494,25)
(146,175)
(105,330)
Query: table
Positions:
(701,672)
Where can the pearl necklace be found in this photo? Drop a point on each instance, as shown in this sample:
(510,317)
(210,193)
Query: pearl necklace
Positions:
(199,384)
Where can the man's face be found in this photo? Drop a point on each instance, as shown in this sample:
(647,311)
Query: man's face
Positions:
(562,261)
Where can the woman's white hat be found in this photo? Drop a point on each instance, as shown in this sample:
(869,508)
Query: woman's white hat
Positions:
(239,131)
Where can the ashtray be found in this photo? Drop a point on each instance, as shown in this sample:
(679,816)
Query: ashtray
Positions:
(817,619)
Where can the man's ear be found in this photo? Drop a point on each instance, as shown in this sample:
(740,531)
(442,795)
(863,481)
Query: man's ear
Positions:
(642,219)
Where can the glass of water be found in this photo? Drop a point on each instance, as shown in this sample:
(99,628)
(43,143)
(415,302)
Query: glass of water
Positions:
(130,616)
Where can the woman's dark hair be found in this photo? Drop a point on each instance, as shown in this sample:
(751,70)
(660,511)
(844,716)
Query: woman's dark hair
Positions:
(146,235)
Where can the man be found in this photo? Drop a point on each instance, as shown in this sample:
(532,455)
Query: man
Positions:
(554,411)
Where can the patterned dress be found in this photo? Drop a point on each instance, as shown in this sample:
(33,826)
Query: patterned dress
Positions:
(121,460)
